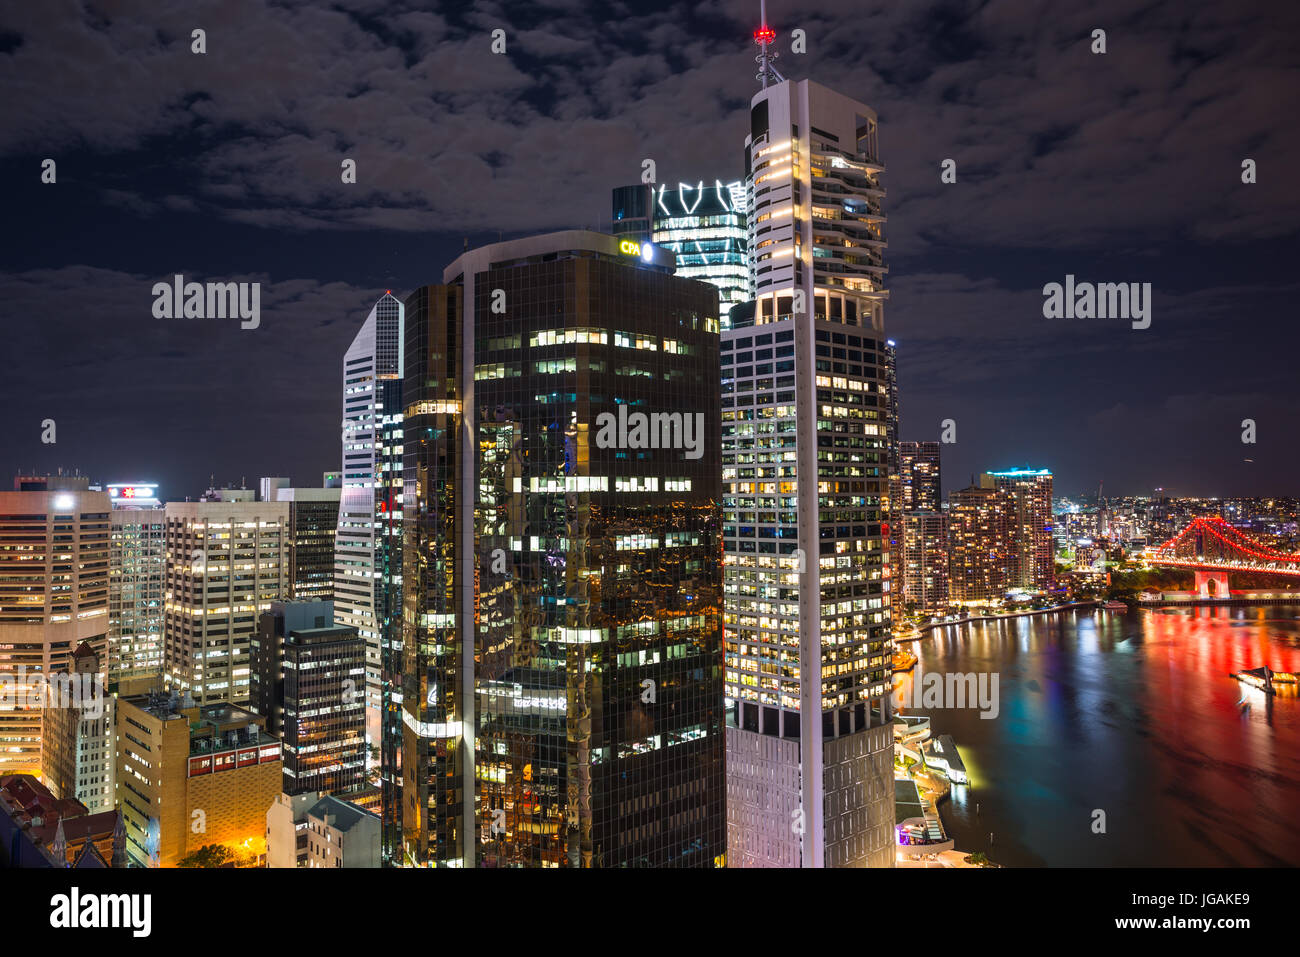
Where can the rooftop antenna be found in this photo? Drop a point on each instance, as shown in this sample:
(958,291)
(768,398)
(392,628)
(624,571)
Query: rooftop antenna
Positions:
(764,36)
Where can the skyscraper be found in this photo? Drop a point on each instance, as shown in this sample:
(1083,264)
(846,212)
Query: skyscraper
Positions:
(920,487)
(921,580)
(703,225)
(979,543)
(309,683)
(374,358)
(226,562)
(805,417)
(1028,496)
(135,589)
(563,682)
(313,524)
(54,571)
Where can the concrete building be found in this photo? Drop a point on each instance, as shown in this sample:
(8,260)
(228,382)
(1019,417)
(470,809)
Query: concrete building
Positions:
(286,829)
(920,480)
(805,471)
(921,582)
(226,561)
(1028,497)
(78,752)
(340,834)
(191,776)
(979,545)
(54,582)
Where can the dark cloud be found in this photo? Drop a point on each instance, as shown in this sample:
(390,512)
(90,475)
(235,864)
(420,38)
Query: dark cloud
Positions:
(1122,167)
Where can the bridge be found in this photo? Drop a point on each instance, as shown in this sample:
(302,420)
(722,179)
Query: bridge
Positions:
(1213,549)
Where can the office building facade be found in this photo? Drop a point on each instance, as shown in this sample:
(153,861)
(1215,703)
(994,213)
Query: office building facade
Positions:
(365,528)
(310,679)
(805,460)
(313,524)
(704,227)
(54,581)
(135,592)
(226,561)
(191,776)
(563,677)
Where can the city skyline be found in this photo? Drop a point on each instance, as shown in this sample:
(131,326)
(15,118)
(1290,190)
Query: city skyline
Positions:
(1037,198)
(579,435)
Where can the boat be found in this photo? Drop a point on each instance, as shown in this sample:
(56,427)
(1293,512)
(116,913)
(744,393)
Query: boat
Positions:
(1115,606)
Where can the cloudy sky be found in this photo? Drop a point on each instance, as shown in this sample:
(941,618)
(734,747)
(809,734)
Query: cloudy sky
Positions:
(225,166)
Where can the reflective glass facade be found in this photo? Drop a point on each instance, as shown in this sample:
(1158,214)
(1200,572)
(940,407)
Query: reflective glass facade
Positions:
(563,645)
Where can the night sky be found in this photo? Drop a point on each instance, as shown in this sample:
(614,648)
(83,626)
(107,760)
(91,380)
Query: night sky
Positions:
(1122,167)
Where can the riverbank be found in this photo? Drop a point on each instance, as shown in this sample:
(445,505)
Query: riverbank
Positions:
(922,629)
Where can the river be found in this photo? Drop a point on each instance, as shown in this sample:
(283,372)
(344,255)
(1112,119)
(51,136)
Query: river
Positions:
(1133,715)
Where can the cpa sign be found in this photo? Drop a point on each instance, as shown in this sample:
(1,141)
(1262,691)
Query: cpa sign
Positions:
(630,247)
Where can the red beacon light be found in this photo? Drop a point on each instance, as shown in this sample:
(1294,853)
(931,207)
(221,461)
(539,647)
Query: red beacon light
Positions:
(764,34)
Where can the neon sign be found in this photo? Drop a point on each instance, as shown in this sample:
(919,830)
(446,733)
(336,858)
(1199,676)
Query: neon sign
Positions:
(629,248)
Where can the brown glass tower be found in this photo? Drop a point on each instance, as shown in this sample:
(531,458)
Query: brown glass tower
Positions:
(563,697)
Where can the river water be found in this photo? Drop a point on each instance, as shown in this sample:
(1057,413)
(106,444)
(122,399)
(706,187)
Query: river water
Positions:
(1131,714)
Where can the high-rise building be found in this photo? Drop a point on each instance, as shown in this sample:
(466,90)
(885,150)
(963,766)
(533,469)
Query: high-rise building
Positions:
(78,754)
(563,682)
(894,517)
(135,588)
(389,439)
(1032,556)
(364,528)
(313,524)
(226,562)
(918,532)
(192,776)
(805,462)
(54,575)
(704,227)
(266,677)
(633,212)
(920,487)
(979,544)
(921,581)
(311,678)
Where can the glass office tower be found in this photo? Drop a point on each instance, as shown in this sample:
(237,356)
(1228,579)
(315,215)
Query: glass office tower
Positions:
(805,458)
(563,690)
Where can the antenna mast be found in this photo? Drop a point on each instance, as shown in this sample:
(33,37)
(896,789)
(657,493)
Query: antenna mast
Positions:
(764,36)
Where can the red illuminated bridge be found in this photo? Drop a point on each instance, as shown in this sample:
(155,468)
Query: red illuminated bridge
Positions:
(1213,548)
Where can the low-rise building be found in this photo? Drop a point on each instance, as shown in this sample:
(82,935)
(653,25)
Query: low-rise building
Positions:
(190,776)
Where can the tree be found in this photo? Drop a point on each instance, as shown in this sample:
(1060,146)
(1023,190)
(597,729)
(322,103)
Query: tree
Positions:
(209,855)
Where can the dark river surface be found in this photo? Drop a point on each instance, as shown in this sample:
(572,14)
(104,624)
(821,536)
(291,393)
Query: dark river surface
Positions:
(1133,714)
